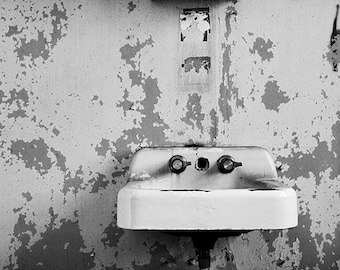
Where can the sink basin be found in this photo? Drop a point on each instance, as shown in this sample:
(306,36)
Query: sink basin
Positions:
(242,194)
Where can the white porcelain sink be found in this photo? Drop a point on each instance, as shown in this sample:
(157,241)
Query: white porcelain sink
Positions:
(247,197)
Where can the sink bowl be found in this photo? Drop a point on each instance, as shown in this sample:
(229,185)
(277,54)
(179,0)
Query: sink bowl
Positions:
(205,195)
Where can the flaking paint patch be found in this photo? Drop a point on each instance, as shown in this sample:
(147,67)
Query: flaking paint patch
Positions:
(262,48)
(37,155)
(287,255)
(197,63)
(315,175)
(34,154)
(18,113)
(74,183)
(194,116)
(136,77)
(129,52)
(331,250)
(251,251)
(58,247)
(333,55)
(214,126)
(18,97)
(317,161)
(98,183)
(42,46)
(23,230)
(336,148)
(15,102)
(27,196)
(59,22)
(273,97)
(306,242)
(151,128)
(126,104)
(103,147)
(160,258)
(56,131)
(61,159)
(34,49)
(13,30)
(228,92)
(112,236)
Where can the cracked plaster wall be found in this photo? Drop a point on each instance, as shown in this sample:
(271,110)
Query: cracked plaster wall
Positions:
(84,83)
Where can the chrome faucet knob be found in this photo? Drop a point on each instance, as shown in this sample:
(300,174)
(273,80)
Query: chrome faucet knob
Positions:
(178,164)
(226,164)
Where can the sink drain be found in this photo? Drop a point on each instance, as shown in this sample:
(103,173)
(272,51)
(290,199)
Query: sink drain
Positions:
(202,164)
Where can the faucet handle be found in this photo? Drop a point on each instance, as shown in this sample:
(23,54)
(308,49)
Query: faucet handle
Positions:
(178,164)
(226,164)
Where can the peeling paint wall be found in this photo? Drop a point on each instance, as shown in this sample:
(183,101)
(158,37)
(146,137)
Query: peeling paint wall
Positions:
(84,83)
